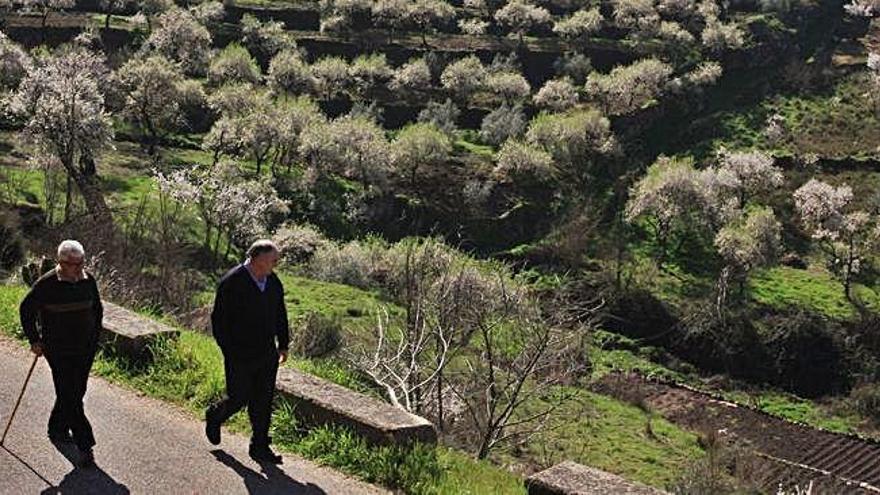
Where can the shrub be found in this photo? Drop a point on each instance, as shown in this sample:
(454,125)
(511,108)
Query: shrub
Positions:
(298,243)
(866,400)
(806,354)
(289,73)
(11,247)
(234,64)
(503,123)
(317,336)
(357,263)
(442,115)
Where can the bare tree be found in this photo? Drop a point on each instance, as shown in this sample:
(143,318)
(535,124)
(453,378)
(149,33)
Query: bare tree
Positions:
(525,359)
(472,345)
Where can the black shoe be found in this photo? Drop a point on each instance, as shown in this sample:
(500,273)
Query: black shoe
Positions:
(58,438)
(212,430)
(87,459)
(264,454)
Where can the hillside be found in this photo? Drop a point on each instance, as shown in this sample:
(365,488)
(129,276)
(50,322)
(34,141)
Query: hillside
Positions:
(529,198)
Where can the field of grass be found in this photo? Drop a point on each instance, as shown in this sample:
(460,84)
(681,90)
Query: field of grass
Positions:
(782,287)
(612,353)
(599,431)
(794,408)
(841,121)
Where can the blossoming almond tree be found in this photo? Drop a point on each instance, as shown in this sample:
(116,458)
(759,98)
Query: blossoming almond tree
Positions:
(64,107)
(846,236)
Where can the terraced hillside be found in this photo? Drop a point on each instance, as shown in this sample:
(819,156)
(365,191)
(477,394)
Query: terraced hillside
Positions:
(789,453)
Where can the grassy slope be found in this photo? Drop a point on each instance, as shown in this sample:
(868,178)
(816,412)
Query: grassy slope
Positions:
(782,287)
(614,436)
(837,122)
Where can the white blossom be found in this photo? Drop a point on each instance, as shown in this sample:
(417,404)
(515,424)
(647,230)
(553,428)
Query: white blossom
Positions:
(509,86)
(413,75)
(15,63)
(180,38)
(629,88)
(464,76)
(521,16)
(581,24)
(473,26)
(557,95)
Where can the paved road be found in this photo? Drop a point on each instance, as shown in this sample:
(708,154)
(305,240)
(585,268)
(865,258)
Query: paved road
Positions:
(144,446)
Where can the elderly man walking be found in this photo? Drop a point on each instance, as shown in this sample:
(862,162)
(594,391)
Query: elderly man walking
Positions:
(249,322)
(61,317)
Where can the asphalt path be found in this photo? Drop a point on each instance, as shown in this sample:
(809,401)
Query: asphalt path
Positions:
(144,446)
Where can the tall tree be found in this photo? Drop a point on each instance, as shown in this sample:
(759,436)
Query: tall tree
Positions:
(152,85)
(64,107)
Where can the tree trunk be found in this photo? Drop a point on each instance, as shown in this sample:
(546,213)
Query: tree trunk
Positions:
(91,192)
(107,21)
(68,198)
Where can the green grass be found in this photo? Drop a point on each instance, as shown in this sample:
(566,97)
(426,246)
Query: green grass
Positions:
(613,353)
(794,408)
(474,148)
(841,122)
(10,298)
(356,309)
(782,287)
(599,431)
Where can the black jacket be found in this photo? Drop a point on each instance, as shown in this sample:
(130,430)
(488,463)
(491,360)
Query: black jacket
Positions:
(69,314)
(245,321)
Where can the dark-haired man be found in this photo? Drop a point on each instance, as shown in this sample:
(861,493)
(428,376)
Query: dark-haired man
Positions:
(249,322)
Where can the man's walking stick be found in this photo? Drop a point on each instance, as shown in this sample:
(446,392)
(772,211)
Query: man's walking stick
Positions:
(18,402)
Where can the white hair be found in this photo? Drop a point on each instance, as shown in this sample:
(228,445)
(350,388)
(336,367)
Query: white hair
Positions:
(70,247)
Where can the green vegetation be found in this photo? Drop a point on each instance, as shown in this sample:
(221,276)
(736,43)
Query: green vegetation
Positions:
(613,353)
(782,287)
(796,409)
(620,438)
(838,123)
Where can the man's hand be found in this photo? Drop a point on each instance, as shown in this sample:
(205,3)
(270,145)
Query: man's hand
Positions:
(282,356)
(37,349)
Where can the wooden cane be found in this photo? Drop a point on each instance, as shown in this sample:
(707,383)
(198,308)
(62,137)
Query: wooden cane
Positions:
(18,402)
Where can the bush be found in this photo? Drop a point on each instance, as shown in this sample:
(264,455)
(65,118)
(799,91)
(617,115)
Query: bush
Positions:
(638,314)
(298,243)
(233,65)
(11,246)
(503,123)
(357,263)
(805,352)
(32,271)
(866,400)
(318,336)
(443,115)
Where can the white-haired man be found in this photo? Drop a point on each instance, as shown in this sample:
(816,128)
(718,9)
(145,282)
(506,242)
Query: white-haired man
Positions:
(249,322)
(61,317)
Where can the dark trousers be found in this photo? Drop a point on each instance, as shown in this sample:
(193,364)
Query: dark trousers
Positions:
(249,383)
(70,375)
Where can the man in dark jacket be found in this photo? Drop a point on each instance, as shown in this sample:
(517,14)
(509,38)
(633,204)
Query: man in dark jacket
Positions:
(61,317)
(249,322)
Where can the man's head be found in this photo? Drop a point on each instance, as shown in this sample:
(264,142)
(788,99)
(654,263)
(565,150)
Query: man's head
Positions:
(263,255)
(70,257)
